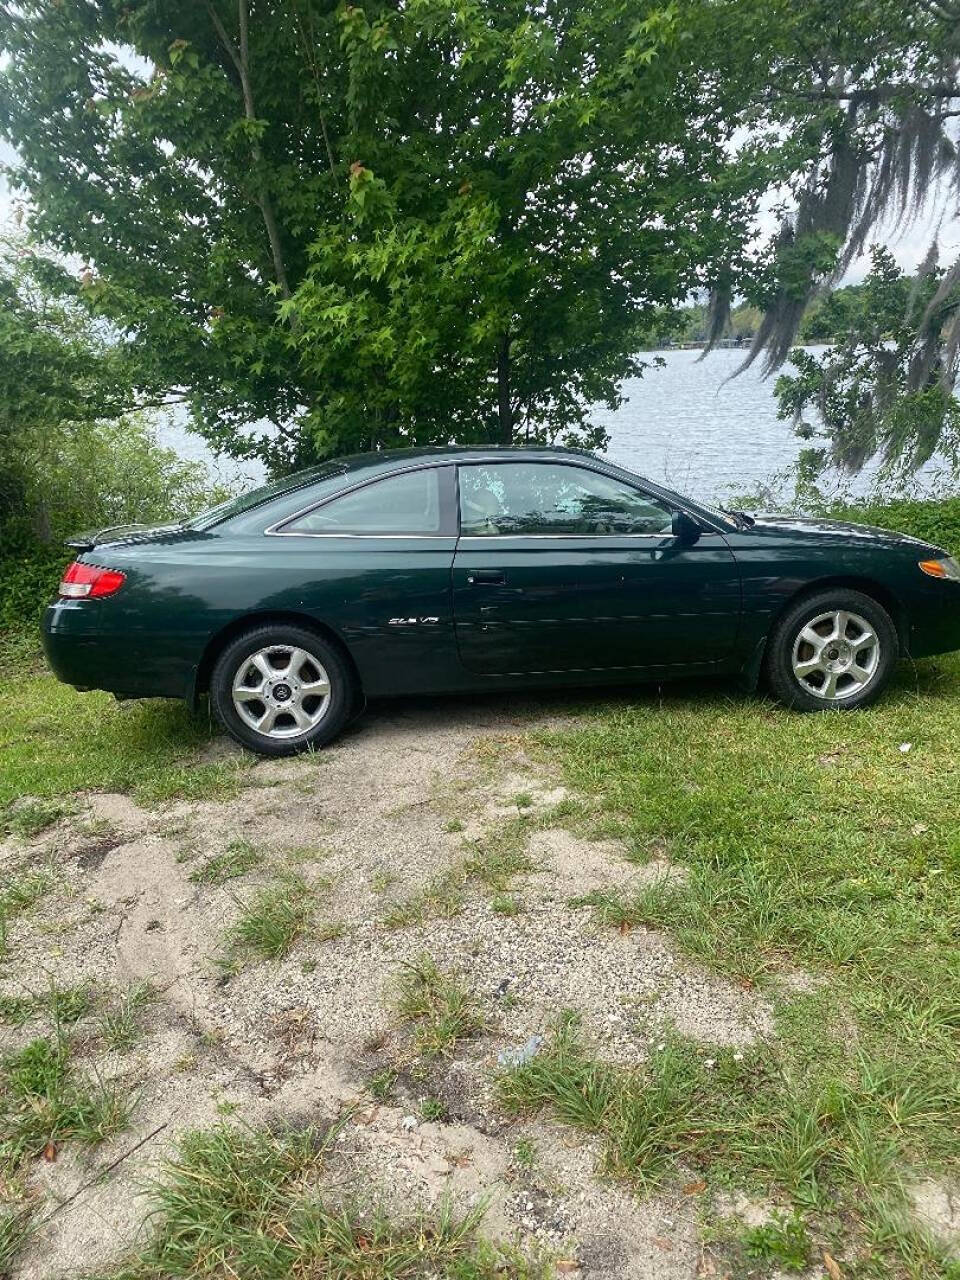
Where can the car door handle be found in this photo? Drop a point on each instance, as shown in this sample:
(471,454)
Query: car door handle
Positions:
(486,578)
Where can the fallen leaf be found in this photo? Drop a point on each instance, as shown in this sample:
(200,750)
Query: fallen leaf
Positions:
(706,1267)
(694,1188)
(661,1243)
(625,927)
(566,1265)
(833,1267)
(50,1152)
(919,829)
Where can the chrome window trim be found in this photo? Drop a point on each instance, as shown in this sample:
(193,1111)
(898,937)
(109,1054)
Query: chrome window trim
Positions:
(274,532)
(277,529)
(579,537)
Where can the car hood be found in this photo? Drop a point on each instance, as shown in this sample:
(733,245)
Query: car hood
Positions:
(131,535)
(835,530)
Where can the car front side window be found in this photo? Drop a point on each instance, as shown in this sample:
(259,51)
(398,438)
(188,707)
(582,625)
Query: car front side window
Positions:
(517,498)
(408,503)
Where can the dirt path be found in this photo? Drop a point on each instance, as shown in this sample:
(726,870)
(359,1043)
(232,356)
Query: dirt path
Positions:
(383,828)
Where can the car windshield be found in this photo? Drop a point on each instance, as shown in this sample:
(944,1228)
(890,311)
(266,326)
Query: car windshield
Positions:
(265,493)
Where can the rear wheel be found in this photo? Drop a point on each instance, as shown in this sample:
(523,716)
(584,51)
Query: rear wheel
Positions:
(832,651)
(282,689)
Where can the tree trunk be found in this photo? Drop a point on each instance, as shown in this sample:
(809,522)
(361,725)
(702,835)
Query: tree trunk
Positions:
(241,61)
(503,390)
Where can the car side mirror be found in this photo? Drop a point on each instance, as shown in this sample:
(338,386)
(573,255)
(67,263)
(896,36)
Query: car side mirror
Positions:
(686,530)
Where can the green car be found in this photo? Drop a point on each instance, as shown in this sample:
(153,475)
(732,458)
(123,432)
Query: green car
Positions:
(455,570)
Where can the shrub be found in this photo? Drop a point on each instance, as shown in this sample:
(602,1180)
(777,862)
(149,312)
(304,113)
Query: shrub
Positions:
(77,478)
(934,521)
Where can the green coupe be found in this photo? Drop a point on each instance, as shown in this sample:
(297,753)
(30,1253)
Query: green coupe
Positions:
(456,570)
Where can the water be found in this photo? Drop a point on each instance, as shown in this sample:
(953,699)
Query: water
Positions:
(683,424)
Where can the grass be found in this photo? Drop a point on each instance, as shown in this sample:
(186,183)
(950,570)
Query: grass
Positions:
(491,863)
(272,921)
(443,1012)
(44,1100)
(19,895)
(120,1025)
(239,857)
(813,844)
(27,817)
(246,1203)
(67,741)
(836,1138)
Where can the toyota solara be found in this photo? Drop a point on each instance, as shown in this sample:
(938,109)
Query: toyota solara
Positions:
(457,570)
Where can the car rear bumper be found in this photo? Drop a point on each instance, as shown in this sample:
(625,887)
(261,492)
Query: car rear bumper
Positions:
(131,665)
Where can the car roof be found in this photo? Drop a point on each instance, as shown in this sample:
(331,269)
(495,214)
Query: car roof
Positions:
(388,459)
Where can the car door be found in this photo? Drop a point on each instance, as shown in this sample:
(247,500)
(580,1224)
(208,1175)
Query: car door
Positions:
(560,567)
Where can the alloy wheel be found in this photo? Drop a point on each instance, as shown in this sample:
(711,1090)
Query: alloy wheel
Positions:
(281,691)
(836,655)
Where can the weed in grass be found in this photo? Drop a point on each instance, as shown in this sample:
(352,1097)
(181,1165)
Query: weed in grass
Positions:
(525,1154)
(69,1004)
(272,921)
(522,800)
(239,857)
(16,1010)
(382,880)
(28,817)
(506,904)
(497,858)
(16,1227)
(784,1241)
(43,1100)
(19,895)
(443,1012)
(442,898)
(381,1084)
(120,1026)
(433,1109)
(453,827)
(244,1203)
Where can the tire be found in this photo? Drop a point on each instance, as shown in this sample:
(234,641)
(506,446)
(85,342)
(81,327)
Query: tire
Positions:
(832,651)
(290,681)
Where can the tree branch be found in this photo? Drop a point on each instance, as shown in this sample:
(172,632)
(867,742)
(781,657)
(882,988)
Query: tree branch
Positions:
(241,61)
(311,59)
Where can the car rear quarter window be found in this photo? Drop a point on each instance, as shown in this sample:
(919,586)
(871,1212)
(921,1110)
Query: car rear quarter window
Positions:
(521,498)
(398,504)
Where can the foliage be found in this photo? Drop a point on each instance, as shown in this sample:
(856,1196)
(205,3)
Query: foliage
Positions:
(936,522)
(369,224)
(69,458)
(865,393)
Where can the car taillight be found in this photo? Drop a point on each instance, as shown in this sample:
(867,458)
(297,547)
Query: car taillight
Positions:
(86,580)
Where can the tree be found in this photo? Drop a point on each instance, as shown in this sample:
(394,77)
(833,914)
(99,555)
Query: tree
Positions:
(877,94)
(372,223)
(71,453)
(878,391)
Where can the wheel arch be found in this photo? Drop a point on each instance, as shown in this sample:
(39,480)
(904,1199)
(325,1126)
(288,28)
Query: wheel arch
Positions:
(247,622)
(877,591)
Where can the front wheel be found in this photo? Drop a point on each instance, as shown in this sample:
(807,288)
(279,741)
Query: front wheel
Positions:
(832,651)
(281,689)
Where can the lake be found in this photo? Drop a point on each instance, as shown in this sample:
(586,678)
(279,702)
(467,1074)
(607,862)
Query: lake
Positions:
(687,425)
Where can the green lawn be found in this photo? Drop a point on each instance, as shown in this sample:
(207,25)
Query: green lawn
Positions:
(826,846)
(54,741)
